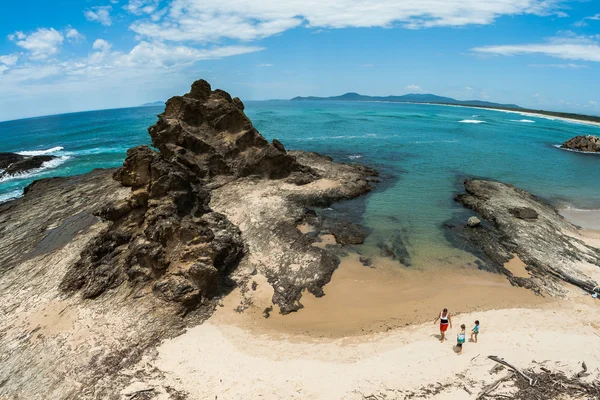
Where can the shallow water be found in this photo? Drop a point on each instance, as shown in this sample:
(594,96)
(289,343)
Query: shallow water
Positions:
(423,152)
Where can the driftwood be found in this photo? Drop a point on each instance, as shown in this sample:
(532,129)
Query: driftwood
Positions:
(583,371)
(492,386)
(518,371)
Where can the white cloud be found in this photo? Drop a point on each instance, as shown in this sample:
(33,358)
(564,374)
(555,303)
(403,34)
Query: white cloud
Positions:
(535,95)
(265,65)
(41,44)
(139,7)
(567,47)
(2,69)
(593,103)
(100,14)
(101,44)
(202,21)
(583,21)
(162,55)
(414,88)
(73,35)
(9,60)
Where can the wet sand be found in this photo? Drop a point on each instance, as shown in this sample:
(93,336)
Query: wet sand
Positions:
(361,300)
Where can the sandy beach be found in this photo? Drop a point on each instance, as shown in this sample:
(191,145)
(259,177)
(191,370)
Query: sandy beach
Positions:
(372,334)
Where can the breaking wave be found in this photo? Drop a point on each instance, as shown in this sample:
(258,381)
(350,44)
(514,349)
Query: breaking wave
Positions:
(33,172)
(472,121)
(40,152)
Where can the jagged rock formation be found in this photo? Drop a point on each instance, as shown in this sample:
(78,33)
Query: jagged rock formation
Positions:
(517,223)
(12,163)
(586,143)
(167,237)
(208,133)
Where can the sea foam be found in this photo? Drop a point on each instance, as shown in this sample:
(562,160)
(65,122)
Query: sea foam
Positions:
(527,121)
(55,162)
(472,121)
(40,152)
(14,194)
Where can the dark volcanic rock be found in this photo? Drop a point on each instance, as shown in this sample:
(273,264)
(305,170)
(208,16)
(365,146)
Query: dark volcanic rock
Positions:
(167,236)
(13,163)
(208,132)
(518,223)
(586,143)
(9,158)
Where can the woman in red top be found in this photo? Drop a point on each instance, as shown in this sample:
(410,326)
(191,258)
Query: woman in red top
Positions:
(445,320)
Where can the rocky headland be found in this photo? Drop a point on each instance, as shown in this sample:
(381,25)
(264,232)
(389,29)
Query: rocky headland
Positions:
(518,224)
(585,143)
(117,260)
(13,163)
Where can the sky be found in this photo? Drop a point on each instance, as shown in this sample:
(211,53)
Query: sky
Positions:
(76,55)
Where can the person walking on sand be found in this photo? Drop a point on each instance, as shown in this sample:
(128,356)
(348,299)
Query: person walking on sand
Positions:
(445,320)
(475,332)
(460,339)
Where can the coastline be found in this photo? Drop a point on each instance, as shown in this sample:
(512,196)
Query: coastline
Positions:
(396,363)
(523,113)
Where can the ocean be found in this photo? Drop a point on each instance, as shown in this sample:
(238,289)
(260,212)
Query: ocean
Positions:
(423,153)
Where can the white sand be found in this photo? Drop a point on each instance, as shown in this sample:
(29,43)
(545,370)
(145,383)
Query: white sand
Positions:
(225,362)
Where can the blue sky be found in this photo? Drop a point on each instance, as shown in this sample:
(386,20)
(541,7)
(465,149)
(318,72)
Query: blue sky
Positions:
(85,55)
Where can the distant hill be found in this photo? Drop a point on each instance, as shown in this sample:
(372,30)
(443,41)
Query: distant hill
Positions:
(412,98)
(154,104)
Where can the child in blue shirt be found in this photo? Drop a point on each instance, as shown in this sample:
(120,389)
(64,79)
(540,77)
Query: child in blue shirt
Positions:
(475,332)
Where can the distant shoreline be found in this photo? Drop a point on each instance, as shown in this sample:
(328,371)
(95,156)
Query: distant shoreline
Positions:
(591,120)
(551,115)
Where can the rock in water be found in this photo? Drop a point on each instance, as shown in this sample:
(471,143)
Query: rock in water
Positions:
(585,143)
(472,222)
(522,224)
(9,158)
(12,163)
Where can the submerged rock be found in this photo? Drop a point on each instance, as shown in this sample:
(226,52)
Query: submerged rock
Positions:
(586,143)
(12,163)
(521,224)
(472,222)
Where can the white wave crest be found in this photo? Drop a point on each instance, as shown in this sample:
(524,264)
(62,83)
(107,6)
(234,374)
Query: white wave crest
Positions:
(14,194)
(558,146)
(356,156)
(55,162)
(433,141)
(40,152)
(527,121)
(472,121)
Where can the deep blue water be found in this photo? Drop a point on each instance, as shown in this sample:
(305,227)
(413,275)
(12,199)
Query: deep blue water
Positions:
(423,151)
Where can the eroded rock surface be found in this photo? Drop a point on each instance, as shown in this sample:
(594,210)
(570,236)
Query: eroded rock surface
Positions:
(586,143)
(166,234)
(146,251)
(517,223)
(268,212)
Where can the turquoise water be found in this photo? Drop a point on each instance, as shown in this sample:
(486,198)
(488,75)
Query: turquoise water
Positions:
(422,151)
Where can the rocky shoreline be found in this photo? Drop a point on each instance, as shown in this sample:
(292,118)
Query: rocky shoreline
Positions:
(518,224)
(135,255)
(13,163)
